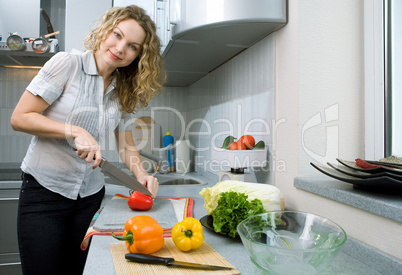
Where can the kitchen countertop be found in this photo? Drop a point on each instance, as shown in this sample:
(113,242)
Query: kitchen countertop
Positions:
(100,259)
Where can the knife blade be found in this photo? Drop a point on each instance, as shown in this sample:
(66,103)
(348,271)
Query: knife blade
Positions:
(149,259)
(122,178)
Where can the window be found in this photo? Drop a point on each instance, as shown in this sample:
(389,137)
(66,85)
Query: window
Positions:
(393,78)
(374,78)
(383,78)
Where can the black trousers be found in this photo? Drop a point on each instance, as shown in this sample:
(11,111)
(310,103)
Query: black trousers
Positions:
(51,228)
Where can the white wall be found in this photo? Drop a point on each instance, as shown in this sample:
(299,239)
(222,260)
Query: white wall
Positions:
(320,65)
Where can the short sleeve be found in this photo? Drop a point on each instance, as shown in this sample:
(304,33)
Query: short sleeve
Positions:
(51,79)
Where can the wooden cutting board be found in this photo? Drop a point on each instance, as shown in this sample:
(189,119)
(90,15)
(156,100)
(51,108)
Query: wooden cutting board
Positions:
(203,255)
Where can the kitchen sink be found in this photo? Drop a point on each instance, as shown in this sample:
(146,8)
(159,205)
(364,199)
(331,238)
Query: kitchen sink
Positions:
(178,179)
(169,179)
(181,181)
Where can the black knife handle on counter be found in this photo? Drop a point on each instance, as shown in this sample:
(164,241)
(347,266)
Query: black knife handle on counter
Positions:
(149,259)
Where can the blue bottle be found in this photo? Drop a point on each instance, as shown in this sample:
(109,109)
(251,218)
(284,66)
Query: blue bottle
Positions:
(169,140)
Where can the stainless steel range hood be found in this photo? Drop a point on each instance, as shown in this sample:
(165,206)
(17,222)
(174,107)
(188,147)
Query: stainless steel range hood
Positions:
(206,34)
(194,55)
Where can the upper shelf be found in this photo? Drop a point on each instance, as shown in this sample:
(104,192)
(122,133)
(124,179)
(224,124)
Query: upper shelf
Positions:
(201,44)
(23,58)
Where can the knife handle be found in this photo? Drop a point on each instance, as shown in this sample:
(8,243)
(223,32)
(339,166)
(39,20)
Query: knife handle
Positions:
(149,259)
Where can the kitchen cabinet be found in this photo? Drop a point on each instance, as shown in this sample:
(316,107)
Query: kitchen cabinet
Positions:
(162,23)
(15,15)
(205,34)
(81,17)
(9,253)
(157,10)
(148,5)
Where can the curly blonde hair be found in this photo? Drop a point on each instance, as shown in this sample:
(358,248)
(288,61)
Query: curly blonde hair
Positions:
(138,82)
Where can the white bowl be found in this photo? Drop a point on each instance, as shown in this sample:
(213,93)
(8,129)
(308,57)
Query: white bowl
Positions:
(239,158)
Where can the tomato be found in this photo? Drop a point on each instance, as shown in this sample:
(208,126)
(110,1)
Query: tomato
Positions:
(248,141)
(236,145)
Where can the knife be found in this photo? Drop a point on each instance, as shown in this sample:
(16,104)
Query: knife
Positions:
(122,178)
(149,259)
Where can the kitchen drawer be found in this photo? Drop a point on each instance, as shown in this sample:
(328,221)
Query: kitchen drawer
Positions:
(10,171)
(9,254)
(10,264)
(8,218)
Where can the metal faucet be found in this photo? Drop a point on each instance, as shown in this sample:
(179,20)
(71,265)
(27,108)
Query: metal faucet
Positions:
(162,160)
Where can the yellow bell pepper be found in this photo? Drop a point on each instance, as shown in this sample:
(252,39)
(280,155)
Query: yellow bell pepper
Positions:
(188,234)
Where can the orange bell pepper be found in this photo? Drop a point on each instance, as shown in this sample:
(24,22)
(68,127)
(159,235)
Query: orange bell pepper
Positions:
(142,234)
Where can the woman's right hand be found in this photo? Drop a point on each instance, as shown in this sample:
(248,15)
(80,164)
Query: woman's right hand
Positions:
(87,147)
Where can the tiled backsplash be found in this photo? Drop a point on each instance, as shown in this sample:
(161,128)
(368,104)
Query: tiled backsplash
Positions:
(234,99)
(13,145)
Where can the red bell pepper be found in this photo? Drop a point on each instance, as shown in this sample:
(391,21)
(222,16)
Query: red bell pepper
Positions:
(140,201)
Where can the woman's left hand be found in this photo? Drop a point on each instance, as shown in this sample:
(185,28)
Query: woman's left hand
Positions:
(150,182)
(132,159)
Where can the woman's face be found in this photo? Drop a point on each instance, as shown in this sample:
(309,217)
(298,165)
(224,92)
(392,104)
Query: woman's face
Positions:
(122,45)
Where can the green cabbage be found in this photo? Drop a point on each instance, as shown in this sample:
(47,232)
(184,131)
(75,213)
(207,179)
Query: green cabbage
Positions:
(270,196)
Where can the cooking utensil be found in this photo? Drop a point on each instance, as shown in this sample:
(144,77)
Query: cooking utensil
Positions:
(149,259)
(122,178)
(15,42)
(41,45)
(48,23)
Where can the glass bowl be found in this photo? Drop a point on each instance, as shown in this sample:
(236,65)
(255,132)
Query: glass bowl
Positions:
(291,242)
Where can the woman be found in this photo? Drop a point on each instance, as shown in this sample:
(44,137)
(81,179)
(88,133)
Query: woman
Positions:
(69,107)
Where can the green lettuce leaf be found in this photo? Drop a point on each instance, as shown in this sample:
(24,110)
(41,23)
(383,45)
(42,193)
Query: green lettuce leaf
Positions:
(228,140)
(232,208)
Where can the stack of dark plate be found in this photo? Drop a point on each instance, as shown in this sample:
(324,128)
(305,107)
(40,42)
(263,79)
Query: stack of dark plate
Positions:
(376,175)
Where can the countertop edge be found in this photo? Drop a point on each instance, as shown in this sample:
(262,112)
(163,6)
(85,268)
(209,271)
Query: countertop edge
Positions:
(372,257)
(385,205)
